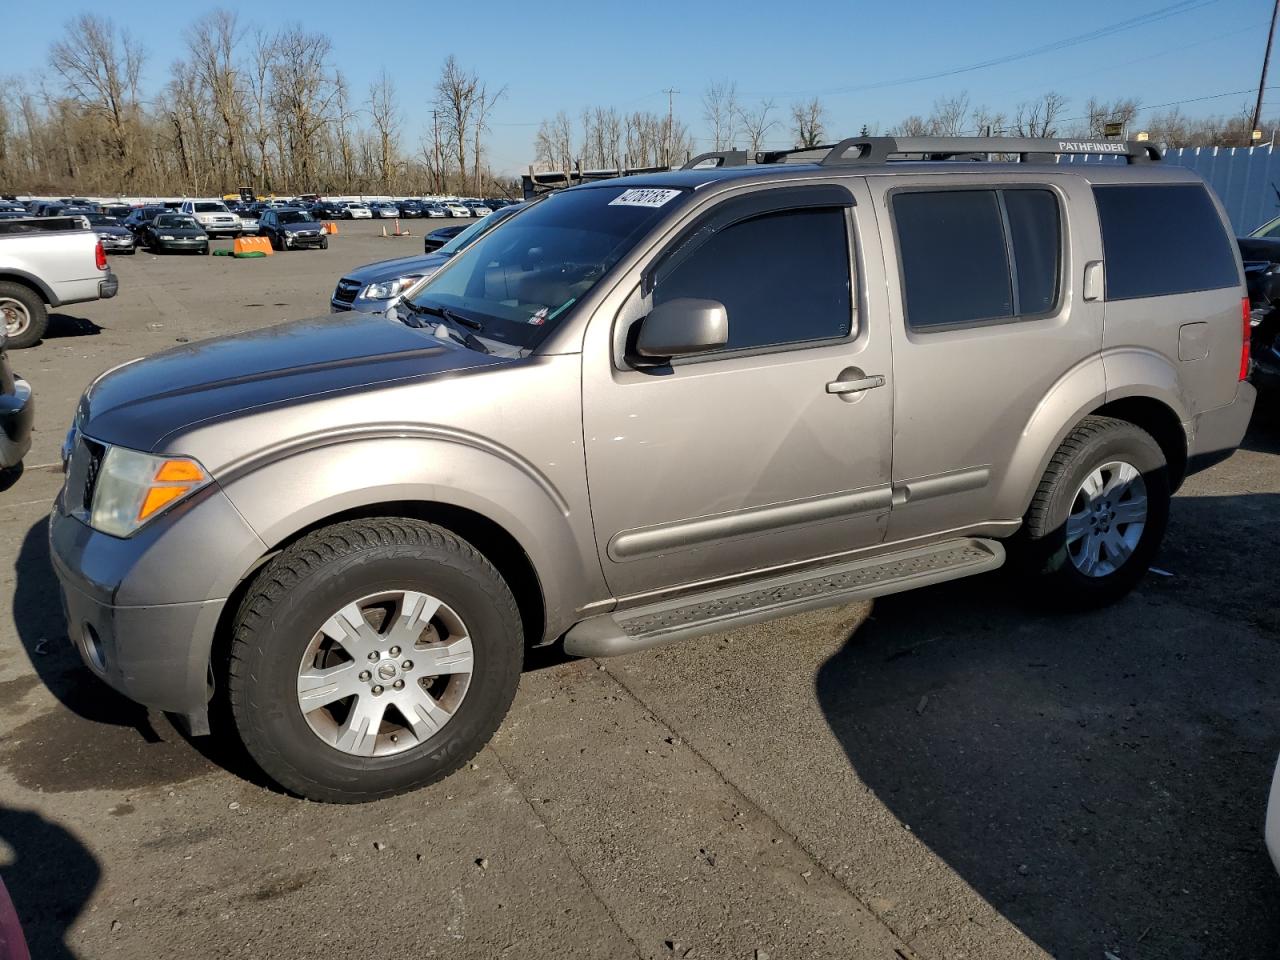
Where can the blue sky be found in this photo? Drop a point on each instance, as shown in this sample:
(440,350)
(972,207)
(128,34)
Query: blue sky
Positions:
(625,54)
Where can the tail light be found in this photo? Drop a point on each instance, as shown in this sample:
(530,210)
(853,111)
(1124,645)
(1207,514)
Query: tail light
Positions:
(100,258)
(1247,332)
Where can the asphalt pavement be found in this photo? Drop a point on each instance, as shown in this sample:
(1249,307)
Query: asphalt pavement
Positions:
(948,773)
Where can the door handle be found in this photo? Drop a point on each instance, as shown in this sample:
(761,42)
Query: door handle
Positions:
(856,384)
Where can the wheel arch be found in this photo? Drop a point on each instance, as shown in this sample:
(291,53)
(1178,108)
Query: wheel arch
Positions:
(32,283)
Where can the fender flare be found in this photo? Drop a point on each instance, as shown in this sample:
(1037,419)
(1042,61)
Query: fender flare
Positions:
(15,275)
(360,473)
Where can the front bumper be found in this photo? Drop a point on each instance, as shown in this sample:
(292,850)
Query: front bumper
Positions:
(142,611)
(17,413)
(116,243)
(192,244)
(293,240)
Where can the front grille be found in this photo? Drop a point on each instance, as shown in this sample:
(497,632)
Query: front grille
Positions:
(347,290)
(82,475)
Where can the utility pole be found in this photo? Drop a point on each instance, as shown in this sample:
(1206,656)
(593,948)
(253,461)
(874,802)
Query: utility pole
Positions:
(1266,62)
(435,146)
(670,144)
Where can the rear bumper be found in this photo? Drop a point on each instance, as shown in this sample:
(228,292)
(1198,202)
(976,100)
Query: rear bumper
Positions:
(17,412)
(1216,433)
(109,287)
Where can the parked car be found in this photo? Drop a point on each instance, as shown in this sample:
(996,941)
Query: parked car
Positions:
(291,228)
(354,210)
(17,409)
(117,210)
(1262,277)
(175,233)
(455,208)
(384,210)
(578,434)
(1272,828)
(115,236)
(9,206)
(409,208)
(1268,231)
(441,235)
(374,287)
(13,944)
(139,217)
(47,262)
(326,210)
(477,208)
(434,210)
(213,216)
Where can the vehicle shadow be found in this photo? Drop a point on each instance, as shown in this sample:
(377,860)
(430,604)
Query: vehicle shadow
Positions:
(64,325)
(42,629)
(1100,779)
(50,876)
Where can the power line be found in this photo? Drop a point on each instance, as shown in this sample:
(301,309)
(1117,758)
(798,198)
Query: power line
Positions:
(1132,23)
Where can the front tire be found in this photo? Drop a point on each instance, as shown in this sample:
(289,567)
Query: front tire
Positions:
(22,315)
(322,702)
(1098,516)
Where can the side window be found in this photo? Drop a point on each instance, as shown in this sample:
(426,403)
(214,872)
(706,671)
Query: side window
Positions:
(1162,239)
(783,277)
(975,256)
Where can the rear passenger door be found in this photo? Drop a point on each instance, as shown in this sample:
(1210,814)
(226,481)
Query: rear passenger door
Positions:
(988,315)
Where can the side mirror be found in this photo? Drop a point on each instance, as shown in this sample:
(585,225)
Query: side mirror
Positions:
(681,327)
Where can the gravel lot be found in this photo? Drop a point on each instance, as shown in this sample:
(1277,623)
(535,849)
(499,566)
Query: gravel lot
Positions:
(939,774)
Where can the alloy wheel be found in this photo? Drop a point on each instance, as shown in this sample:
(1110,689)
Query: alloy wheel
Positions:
(1108,515)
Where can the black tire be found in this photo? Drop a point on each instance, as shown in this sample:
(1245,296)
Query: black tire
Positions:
(324,243)
(37,317)
(1042,548)
(294,593)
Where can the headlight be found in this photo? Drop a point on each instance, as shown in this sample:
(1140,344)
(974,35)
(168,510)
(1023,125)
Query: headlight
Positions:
(133,487)
(389,288)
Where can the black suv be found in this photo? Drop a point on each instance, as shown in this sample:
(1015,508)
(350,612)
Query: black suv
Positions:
(289,228)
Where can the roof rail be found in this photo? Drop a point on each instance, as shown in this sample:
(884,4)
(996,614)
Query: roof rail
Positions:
(880,149)
(717,158)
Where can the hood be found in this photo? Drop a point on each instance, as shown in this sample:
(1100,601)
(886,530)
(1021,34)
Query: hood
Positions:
(113,229)
(141,403)
(391,269)
(177,231)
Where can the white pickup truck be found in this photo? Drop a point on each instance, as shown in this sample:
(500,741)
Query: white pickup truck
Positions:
(48,262)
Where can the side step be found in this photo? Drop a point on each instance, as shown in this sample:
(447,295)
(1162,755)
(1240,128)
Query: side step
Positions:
(637,628)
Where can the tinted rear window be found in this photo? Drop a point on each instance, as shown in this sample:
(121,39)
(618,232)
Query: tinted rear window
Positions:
(1160,240)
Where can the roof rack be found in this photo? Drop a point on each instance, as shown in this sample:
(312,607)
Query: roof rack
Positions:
(857,150)
(880,149)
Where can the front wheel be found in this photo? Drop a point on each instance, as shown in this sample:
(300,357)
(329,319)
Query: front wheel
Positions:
(373,657)
(1098,516)
(324,243)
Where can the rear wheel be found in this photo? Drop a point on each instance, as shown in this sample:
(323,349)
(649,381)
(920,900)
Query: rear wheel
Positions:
(23,315)
(1099,514)
(373,657)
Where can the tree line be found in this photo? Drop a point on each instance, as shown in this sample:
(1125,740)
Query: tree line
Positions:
(241,106)
(603,138)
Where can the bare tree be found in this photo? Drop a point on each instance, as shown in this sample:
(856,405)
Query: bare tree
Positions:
(1101,112)
(1039,118)
(101,69)
(484,104)
(912,126)
(756,124)
(303,94)
(553,144)
(386,126)
(950,116)
(808,122)
(212,43)
(720,110)
(456,92)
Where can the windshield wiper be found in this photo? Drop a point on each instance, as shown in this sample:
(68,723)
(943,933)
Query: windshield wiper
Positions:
(456,320)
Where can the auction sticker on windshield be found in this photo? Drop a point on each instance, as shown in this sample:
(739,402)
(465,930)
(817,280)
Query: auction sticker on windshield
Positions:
(643,198)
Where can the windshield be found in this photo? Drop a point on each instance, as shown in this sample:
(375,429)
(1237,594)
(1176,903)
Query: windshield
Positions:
(102,220)
(293,216)
(516,284)
(211,208)
(468,236)
(172,220)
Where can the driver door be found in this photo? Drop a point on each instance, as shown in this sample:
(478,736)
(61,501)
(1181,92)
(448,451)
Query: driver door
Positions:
(743,458)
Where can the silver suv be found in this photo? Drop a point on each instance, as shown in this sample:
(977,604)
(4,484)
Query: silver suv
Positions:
(646,409)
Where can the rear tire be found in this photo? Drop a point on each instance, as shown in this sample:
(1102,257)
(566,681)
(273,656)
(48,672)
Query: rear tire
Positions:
(313,600)
(1098,516)
(22,314)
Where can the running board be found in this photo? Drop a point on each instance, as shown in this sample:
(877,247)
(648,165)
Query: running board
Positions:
(726,608)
